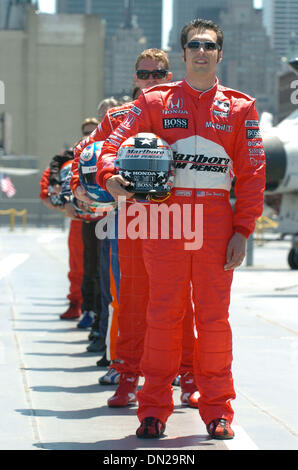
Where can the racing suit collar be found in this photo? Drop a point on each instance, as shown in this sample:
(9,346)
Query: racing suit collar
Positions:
(192,91)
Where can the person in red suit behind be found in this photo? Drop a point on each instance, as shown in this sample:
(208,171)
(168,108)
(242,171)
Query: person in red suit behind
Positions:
(49,188)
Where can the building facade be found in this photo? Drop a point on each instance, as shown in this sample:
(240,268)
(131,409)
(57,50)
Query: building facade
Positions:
(249,62)
(149,15)
(287,94)
(185,11)
(280,18)
(12,13)
(120,61)
(53,76)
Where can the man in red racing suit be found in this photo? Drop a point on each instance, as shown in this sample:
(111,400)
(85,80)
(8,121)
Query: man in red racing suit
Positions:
(213,131)
(75,250)
(133,293)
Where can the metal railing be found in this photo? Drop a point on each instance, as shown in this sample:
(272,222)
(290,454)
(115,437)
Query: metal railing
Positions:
(37,214)
(12,214)
(264,223)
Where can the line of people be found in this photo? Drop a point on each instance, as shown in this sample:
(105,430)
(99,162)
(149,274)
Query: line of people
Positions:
(169,310)
(211,130)
(114,309)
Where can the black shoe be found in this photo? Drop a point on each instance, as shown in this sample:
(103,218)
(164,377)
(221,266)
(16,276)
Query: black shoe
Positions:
(97,345)
(103,362)
(93,334)
(150,428)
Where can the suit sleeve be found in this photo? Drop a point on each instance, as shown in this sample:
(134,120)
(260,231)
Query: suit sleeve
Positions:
(138,119)
(249,169)
(44,184)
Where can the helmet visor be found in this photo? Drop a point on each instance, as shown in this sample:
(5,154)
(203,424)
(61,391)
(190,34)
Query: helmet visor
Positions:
(152,164)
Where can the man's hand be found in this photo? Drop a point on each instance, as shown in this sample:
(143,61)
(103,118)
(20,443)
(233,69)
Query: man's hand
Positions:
(235,251)
(115,186)
(80,193)
(47,202)
(70,211)
(57,188)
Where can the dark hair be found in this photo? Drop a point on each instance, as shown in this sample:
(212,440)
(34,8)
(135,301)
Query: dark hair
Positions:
(201,25)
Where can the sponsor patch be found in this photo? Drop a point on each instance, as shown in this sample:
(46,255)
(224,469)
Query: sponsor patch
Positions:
(88,169)
(252,123)
(119,113)
(219,127)
(182,192)
(136,110)
(256,151)
(117,144)
(210,193)
(201,162)
(254,143)
(221,108)
(175,106)
(253,134)
(175,123)
(255,162)
(128,121)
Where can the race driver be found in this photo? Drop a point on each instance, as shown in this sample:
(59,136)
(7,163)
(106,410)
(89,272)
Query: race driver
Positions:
(75,248)
(152,68)
(213,131)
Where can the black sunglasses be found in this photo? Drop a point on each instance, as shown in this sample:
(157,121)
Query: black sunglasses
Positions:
(207,45)
(145,74)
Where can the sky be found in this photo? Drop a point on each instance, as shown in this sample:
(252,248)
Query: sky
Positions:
(48,6)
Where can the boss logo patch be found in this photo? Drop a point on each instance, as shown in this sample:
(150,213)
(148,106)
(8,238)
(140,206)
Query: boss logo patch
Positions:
(172,123)
(253,134)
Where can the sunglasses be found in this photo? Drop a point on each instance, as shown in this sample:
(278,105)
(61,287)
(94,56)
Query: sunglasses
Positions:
(145,74)
(207,45)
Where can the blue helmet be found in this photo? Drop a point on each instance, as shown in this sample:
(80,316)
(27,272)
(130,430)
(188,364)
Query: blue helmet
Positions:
(87,174)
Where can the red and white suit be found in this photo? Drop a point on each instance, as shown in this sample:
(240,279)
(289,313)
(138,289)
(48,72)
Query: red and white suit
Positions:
(133,293)
(214,135)
(75,248)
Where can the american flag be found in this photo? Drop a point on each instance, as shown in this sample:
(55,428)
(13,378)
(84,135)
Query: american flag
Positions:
(7,186)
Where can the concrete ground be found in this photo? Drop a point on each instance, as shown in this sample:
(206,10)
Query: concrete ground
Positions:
(50,396)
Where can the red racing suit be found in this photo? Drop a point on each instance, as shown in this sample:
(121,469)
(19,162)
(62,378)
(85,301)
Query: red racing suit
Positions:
(44,184)
(75,248)
(133,292)
(214,135)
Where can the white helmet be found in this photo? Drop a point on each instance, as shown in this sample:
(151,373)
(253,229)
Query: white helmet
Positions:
(146,161)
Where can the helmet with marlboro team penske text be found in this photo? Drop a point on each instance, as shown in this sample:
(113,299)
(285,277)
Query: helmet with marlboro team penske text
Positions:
(146,161)
(87,175)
